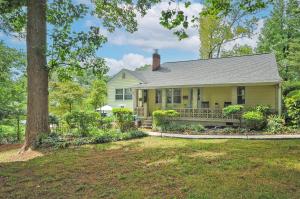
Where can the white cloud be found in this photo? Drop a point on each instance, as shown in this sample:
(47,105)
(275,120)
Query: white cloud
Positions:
(152,35)
(129,61)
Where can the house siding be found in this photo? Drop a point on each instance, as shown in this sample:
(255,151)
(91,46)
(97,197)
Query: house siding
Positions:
(254,95)
(118,82)
(261,95)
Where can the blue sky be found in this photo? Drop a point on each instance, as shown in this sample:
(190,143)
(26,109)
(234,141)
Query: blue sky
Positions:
(126,50)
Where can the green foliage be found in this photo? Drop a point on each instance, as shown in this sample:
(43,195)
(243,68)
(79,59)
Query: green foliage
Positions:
(64,96)
(124,118)
(8,134)
(238,50)
(238,17)
(290,86)
(292,105)
(105,123)
(232,109)
(254,120)
(57,141)
(275,124)
(264,109)
(185,128)
(280,36)
(163,118)
(97,94)
(83,121)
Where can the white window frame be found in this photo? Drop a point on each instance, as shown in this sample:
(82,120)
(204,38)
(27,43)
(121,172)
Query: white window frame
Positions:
(172,96)
(123,94)
(158,96)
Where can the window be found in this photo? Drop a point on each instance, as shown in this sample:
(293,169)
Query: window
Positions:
(177,95)
(128,94)
(205,105)
(119,94)
(123,94)
(157,96)
(174,95)
(241,95)
(123,75)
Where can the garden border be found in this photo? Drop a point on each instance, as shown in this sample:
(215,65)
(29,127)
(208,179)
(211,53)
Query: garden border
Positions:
(247,137)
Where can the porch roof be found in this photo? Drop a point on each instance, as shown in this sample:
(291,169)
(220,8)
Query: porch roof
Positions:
(251,69)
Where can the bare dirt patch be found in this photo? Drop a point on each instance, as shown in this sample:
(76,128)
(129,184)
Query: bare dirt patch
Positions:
(13,155)
(6,147)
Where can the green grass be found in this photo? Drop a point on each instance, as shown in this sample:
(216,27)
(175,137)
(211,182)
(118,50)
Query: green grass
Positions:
(159,168)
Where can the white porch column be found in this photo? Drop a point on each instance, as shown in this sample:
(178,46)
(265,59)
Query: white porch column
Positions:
(234,95)
(195,98)
(134,98)
(139,96)
(163,99)
(279,101)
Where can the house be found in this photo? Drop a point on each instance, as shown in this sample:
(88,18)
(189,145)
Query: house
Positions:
(199,89)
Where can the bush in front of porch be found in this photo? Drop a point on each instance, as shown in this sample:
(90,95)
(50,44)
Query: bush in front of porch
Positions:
(163,119)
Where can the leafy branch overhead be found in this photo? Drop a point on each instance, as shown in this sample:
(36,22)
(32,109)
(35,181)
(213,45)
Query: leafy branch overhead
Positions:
(69,51)
(219,22)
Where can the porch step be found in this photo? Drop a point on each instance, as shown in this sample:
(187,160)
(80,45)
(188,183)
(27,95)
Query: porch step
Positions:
(147,123)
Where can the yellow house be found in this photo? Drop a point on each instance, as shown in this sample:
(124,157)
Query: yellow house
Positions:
(199,89)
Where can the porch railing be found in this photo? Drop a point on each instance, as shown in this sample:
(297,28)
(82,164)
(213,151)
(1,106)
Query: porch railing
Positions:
(205,113)
(197,113)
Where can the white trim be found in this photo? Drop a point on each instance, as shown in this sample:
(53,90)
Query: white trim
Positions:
(208,85)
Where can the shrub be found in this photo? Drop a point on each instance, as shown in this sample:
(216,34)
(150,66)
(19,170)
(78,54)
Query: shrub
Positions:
(56,141)
(124,119)
(106,123)
(8,134)
(163,118)
(232,109)
(292,105)
(83,121)
(254,120)
(289,87)
(264,109)
(275,124)
(197,128)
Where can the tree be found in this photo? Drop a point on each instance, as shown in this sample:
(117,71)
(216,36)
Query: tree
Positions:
(97,95)
(64,96)
(220,22)
(238,50)
(12,89)
(68,51)
(219,28)
(280,35)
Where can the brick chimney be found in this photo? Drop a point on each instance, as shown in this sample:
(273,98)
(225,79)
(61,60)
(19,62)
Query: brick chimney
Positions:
(155,60)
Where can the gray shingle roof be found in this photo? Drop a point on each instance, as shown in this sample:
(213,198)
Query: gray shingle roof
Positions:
(249,69)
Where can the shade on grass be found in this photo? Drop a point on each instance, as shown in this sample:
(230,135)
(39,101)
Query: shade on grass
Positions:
(161,168)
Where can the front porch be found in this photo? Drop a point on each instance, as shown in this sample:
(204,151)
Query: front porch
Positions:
(204,104)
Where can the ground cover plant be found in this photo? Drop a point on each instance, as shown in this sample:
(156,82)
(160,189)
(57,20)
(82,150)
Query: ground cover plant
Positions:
(158,168)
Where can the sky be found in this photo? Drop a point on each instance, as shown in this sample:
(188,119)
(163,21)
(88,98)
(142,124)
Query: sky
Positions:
(132,50)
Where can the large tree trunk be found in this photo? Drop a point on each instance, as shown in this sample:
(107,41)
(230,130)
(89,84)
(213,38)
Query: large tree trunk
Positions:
(37,101)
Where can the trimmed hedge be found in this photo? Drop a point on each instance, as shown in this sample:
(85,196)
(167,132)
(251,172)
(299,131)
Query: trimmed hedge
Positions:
(232,109)
(254,120)
(163,118)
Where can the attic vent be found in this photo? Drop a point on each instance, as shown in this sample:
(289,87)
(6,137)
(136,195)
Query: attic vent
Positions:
(123,75)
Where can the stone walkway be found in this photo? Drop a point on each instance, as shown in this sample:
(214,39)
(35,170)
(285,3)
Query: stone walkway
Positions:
(254,137)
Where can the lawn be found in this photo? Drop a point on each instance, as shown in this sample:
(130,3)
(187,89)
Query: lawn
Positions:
(159,168)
